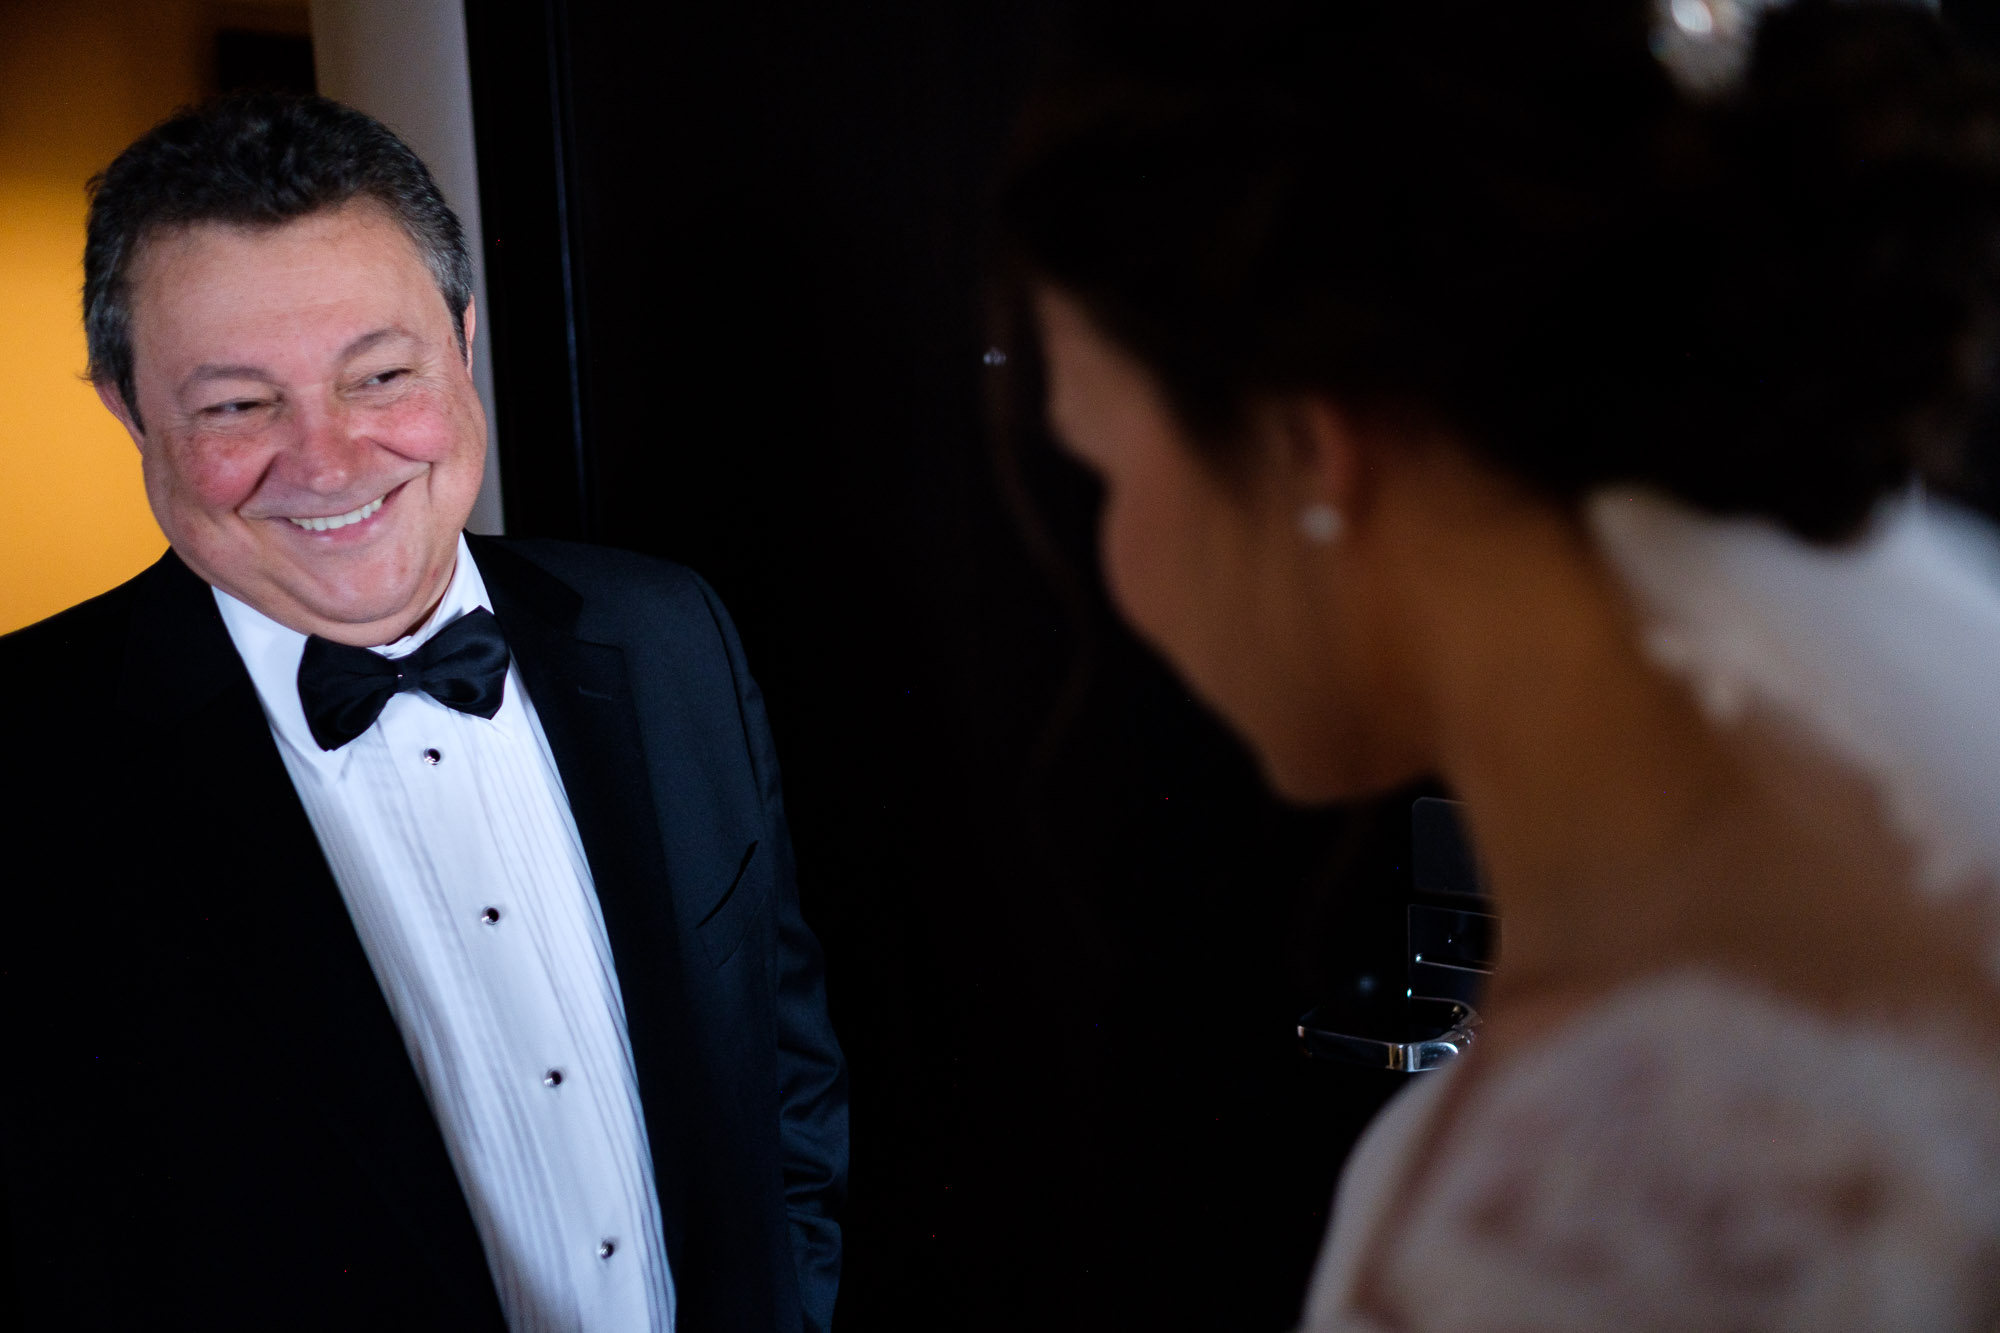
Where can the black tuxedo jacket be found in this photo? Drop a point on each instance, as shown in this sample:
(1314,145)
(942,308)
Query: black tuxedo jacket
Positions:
(209,1119)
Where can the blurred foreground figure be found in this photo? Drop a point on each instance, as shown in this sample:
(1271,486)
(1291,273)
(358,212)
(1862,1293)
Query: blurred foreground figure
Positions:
(401,925)
(1537,396)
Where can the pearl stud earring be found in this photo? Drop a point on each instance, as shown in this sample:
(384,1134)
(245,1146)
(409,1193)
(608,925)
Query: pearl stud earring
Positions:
(1321,524)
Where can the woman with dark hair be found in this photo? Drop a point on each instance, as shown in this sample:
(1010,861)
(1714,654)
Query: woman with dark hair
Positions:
(1553,398)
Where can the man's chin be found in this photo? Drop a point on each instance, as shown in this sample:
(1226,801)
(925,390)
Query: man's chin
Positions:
(364,619)
(369,611)
(367,596)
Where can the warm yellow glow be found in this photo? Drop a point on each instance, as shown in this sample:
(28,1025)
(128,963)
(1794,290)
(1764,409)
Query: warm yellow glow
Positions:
(73,515)
(78,81)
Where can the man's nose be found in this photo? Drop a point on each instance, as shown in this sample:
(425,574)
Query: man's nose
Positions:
(326,453)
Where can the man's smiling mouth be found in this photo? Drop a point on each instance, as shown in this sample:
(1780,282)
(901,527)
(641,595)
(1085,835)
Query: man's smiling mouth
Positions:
(340,520)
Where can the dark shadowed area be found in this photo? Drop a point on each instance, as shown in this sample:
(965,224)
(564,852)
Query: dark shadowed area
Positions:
(735,270)
(735,257)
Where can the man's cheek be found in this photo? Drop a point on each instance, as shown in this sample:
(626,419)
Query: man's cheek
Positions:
(216,473)
(426,426)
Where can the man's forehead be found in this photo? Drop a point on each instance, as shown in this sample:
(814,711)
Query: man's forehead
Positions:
(226,291)
(163,245)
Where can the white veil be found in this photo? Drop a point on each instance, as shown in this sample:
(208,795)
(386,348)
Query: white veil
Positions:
(1886,649)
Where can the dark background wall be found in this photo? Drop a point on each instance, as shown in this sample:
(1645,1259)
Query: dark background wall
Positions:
(735,288)
(734,270)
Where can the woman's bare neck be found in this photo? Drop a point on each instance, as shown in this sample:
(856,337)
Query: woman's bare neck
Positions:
(1587,772)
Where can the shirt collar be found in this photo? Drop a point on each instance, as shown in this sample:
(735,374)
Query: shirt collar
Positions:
(271,654)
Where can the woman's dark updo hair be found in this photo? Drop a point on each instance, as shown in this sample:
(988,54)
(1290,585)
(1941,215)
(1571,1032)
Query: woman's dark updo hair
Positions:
(1782,299)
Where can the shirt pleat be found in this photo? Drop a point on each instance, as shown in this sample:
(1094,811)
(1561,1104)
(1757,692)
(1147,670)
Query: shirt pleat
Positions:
(432,822)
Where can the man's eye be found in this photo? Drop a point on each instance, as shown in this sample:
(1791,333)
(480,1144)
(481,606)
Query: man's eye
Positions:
(385,377)
(234,407)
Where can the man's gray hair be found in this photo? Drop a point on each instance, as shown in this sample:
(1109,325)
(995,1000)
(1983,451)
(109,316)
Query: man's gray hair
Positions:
(252,160)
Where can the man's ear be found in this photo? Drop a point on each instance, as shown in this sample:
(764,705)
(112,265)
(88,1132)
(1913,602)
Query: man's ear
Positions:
(114,403)
(471,327)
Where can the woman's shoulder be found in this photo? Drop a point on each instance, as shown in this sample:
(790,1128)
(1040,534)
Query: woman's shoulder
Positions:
(1698,1150)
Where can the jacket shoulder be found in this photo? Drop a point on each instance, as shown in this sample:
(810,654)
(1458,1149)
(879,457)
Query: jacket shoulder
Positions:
(58,673)
(89,625)
(599,569)
(618,587)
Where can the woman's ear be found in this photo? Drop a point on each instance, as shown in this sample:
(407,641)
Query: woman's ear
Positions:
(1322,458)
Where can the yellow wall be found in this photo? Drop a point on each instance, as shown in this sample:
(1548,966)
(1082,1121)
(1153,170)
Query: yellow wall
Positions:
(79,79)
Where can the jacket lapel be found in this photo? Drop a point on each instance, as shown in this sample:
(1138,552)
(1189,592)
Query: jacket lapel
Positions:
(274,918)
(583,696)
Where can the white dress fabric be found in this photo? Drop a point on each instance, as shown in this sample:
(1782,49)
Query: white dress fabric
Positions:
(1695,1152)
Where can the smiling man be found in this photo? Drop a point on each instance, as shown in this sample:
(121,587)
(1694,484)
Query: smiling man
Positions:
(402,926)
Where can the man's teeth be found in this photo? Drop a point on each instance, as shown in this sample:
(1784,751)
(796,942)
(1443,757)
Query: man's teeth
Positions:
(342,520)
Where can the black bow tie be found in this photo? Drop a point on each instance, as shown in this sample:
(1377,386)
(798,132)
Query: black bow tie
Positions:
(344,689)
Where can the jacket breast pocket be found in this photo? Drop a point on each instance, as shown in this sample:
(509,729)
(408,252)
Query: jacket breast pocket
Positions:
(723,929)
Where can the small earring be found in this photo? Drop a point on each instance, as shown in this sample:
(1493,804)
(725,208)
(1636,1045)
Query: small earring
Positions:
(1321,524)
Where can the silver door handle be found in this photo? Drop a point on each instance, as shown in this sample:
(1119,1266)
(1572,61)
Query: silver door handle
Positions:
(1455,1019)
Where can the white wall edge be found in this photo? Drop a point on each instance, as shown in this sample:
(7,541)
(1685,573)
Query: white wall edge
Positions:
(404,62)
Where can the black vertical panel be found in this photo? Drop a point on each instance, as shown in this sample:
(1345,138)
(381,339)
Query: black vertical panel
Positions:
(520,103)
(1065,967)
(1976,21)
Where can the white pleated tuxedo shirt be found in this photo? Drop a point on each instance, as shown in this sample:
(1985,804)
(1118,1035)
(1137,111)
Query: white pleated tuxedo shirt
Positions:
(453,845)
